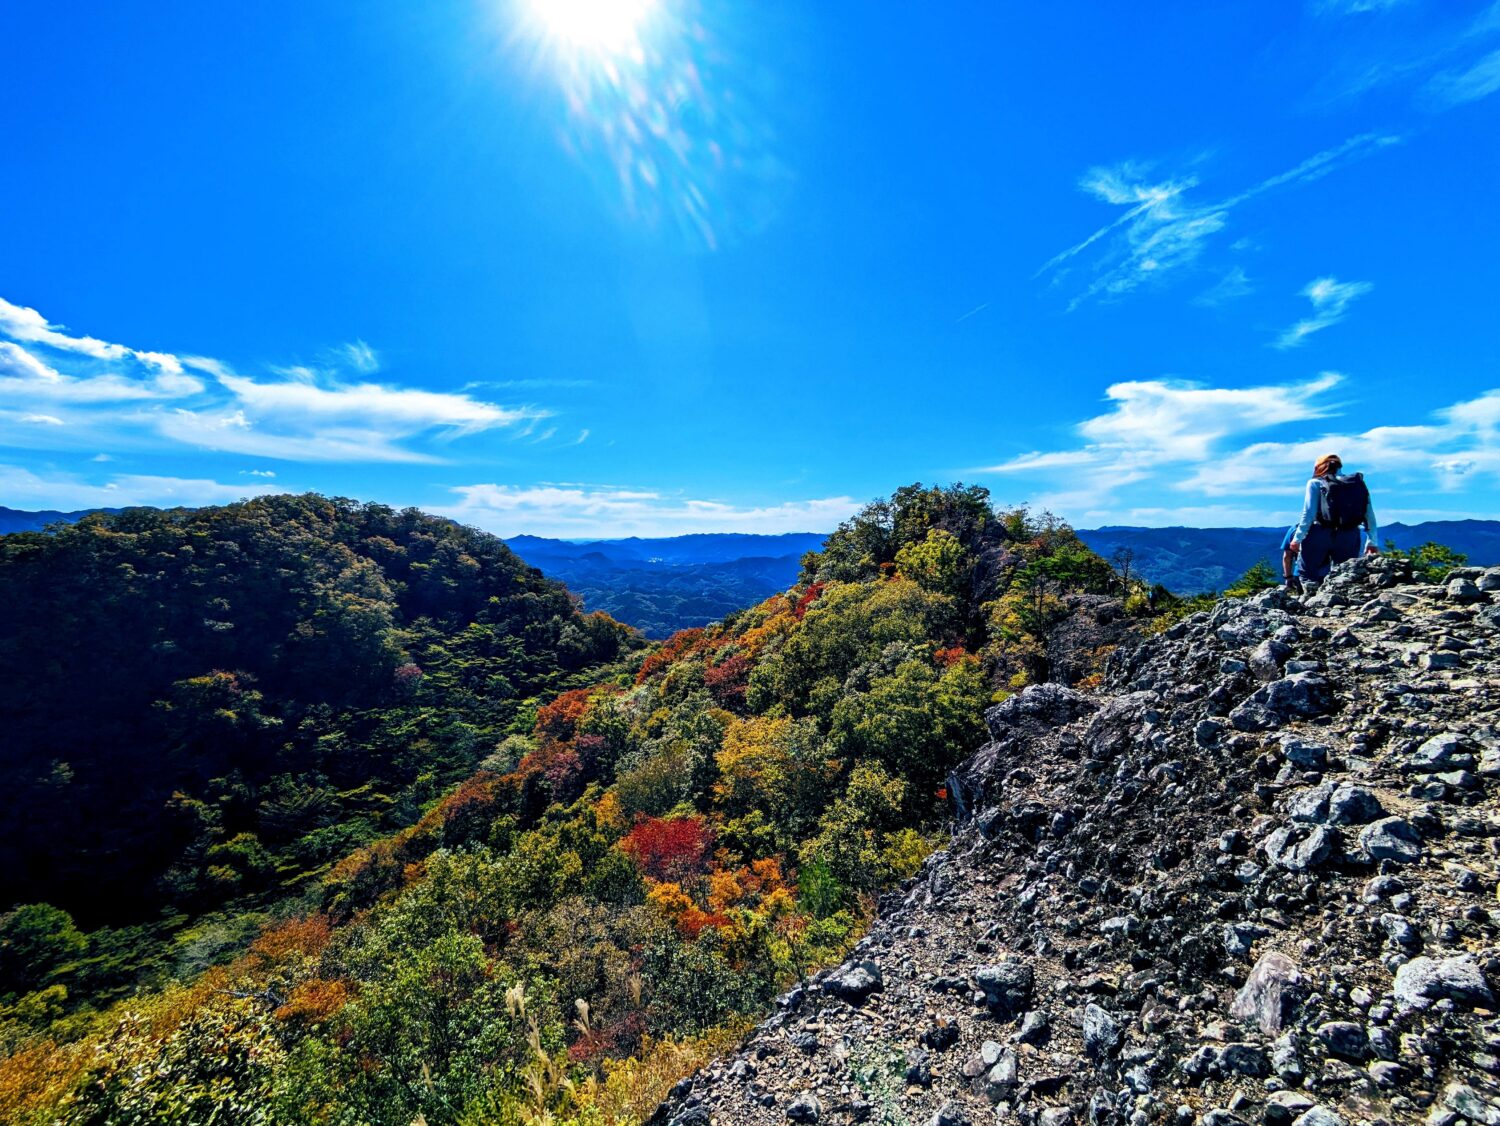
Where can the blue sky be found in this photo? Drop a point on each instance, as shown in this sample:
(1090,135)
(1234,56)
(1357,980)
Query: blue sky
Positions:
(665,267)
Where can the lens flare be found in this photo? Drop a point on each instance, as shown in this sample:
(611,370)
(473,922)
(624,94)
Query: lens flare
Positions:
(658,112)
(602,26)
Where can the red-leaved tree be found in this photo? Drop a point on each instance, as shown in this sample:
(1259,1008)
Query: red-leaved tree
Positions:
(669,848)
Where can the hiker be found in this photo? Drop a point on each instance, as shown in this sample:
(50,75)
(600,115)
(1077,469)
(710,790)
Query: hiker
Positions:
(1289,555)
(1334,510)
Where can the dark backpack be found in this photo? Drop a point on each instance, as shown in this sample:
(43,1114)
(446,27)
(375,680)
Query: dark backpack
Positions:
(1345,502)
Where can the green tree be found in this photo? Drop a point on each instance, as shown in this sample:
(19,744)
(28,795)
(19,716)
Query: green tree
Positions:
(1430,562)
(938,563)
(36,939)
(1259,577)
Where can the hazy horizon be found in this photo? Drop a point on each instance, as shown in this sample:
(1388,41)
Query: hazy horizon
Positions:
(666,267)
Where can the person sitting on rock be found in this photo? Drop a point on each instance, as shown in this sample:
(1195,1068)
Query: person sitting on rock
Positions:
(1334,509)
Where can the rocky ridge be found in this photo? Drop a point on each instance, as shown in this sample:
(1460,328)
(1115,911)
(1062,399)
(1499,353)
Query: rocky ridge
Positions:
(1249,879)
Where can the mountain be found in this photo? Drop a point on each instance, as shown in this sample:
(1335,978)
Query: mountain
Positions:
(643,858)
(1197,560)
(664,585)
(17,520)
(1250,879)
(1236,862)
(659,586)
(202,707)
(667,584)
(707,547)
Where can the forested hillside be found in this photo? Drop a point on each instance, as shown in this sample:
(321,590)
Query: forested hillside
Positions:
(614,891)
(664,585)
(205,705)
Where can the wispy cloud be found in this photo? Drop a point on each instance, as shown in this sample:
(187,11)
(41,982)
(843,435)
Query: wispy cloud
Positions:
(1164,227)
(1455,87)
(1353,7)
(1448,56)
(23,488)
(528,384)
(1174,453)
(106,393)
(1330,300)
(361,357)
(600,511)
(1231,287)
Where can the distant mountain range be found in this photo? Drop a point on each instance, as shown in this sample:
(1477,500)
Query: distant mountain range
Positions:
(663,585)
(672,583)
(1193,560)
(17,520)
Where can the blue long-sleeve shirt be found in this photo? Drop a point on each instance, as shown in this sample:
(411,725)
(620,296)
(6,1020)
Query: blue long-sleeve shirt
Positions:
(1312,502)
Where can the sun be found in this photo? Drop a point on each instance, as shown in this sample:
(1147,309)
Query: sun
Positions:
(603,27)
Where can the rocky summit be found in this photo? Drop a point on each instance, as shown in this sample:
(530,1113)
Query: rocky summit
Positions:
(1249,879)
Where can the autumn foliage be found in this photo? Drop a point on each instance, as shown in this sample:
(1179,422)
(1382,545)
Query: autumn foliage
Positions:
(669,848)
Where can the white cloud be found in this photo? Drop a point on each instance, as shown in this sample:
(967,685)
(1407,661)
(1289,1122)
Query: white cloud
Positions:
(24,376)
(297,413)
(42,419)
(21,323)
(258,472)
(394,410)
(1163,229)
(24,489)
(601,512)
(233,431)
(1330,300)
(1165,445)
(1158,421)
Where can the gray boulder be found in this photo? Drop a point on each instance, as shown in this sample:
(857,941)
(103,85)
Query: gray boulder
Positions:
(1391,838)
(1318,1116)
(1422,981)
(1344,1039)
(1353,805)
(1269,658)
(1037,708)
(1463,590)
(1304,753)
(1465,1100)
(805,1108)
(1440,753)
(1270,994)
(1100,1033)
(854,982)
(1303,694)
(1007,986)
(1298,848)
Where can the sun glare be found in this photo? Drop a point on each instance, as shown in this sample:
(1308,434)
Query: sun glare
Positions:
(601,26)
